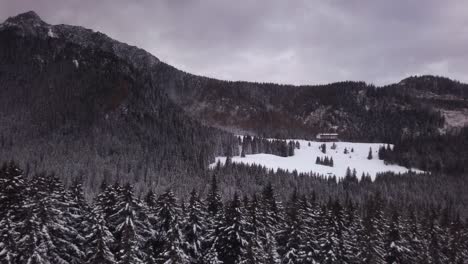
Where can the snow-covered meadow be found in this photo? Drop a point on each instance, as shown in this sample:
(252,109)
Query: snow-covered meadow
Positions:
(304,159)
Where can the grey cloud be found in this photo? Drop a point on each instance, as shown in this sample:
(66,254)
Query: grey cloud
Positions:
(299,42)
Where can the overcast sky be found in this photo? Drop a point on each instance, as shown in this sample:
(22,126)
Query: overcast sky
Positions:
(284,41)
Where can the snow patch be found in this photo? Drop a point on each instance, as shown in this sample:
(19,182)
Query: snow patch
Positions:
(77,64)
(51,33)
(304,159)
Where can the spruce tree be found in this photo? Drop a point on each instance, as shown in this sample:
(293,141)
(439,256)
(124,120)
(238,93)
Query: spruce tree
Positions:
(12,198)
(195,227)
(369,156)
(99,241)
(396,247)
(291,238)
(169,234)
(233,240)
(213,198)
(46,234)
(131,228)
(373,235)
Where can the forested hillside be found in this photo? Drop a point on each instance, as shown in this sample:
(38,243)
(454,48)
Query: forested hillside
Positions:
(78,110)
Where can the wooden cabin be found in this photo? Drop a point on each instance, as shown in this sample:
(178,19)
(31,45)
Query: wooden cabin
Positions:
(327,137)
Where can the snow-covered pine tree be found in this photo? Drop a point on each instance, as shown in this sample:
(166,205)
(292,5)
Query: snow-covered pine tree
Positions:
(271,250)
(373,235)
(46,234)
(413,236)
(353,232)
(8,252)
(106,204)
(456,248)
(268,218)
(433,239)
(77,210)
(98,241)
(291,238)
(12,197)
(255,227)
(12,191)
(308,212)
(150,200)
(233,240)
(396,247)
(213,199)
(332,240)
(270,210)
(195,227)
(169,244)
(131,228)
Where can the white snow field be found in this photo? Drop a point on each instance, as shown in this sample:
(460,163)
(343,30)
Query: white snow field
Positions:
(305,157)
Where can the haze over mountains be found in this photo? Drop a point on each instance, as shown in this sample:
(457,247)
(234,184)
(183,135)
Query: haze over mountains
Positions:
(77,102)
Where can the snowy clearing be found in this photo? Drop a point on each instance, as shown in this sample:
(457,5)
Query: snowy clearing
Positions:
(304,159)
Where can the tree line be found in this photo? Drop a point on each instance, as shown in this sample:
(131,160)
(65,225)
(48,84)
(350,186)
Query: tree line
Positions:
(278,147)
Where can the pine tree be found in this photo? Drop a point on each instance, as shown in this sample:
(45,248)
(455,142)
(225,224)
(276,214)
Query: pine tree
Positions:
(131,228)
(77,211)
(195,227)
(12,198)
(269,211)
(455,245)
(233,241)
(150,199)
(46,234)
(213,198)
(373,222)
(292,237)
(433,239)
(369,156)
(332,240)
(99,241)
(353,233)
(271,250)
(396,247)
(169,233)
(106,204)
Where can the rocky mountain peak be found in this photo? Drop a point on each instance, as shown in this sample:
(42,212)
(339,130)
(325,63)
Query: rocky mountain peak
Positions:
(26,24)
(30,17)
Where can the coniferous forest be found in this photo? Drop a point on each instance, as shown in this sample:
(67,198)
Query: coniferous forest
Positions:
(42,222)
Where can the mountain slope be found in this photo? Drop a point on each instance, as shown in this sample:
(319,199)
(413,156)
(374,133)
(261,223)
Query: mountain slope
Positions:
(78,103)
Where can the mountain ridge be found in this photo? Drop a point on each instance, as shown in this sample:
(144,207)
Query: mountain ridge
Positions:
(254,108)
(68,89)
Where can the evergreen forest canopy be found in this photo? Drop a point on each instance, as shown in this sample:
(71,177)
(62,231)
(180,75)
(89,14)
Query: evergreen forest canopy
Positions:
(41,222)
